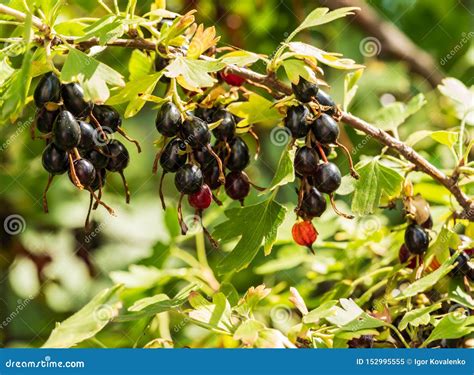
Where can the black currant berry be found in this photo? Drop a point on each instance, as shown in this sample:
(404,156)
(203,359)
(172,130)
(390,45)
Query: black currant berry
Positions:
(327,177)
(226,128)
(204,158)
(119,156)
(66,131)
(325,129)
(196,132)
(55,160)
(237,185)
(304,90)
(73,99)
(312,205)
(212,175)
(97,158)
(160,64)
(239,155)
(324,99)
(306,161)
(168,120)
(88,135)
(416,239)
(295,121)
(188,179)
(107,116)
(99,180)
(364,341)
(45,120)
(48,90)
(85,172)
(174,155)
(462,266)
(205,113)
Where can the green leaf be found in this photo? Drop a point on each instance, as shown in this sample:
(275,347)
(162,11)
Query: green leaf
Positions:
(92,74)
(248,331)
(5,70)
(462,97)
(376,181)
(452,326)
(321,312)
(135,93)
(85,323)
(239,58)
(137,276)
(106,29)
(216,315)
(256,109)
(193,74)
(334,60)
(393,115)
(428,281)
(458,293)
(139,65)
(266,217)
(321,16)
(446,239)
(445,137)
(285,172)
(350,317)
(295,69)
(351,87)
(418,317)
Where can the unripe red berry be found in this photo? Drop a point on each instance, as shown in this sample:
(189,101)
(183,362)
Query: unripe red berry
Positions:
(201,199)
(232,79)
(304,233)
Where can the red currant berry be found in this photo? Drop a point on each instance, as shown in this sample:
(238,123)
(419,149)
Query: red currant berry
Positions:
(304,233)
(404,256)
(201,199)
(232,79)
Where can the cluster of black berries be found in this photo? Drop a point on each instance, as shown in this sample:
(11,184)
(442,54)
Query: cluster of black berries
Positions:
(77,138)
(199,167)
(315,121)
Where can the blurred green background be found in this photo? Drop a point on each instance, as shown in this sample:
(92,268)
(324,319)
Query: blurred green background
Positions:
(52,268)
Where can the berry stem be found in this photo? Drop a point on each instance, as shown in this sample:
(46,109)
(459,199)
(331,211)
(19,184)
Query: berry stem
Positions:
(125,186)
(336,210)
(45,199)
(321,152)
(158,156)
(98,126)
(108,208)
(354,173)
(75,179)
(182,224)
(128,138)
(219,163)
(160,190)
(91,199)
(257,142)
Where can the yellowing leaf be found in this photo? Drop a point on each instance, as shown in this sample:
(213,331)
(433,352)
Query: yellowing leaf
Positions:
(203,39)
(193,74)
(256,109)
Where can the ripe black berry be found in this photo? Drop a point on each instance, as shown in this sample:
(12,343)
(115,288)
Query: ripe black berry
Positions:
(204,158)
(119,156)
(295,121)
(97,158)
(239,155)
(462,266)
(226,128)
(325,129)
(237,185)
(66,131)
(364,341)
(173,156)
(304,90)
(55,160)
(188,179)
(168,120)
(416,239)
(99,180)
(160,64)
(45,120)
(196,132)
(205,113)
(324,99)
(327,177)
(85,172)
(73,99)
(48,90)
(306,161)
(312,205)
(88,135)
(107,116)
(404,255)
(201,199)
(212,175)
